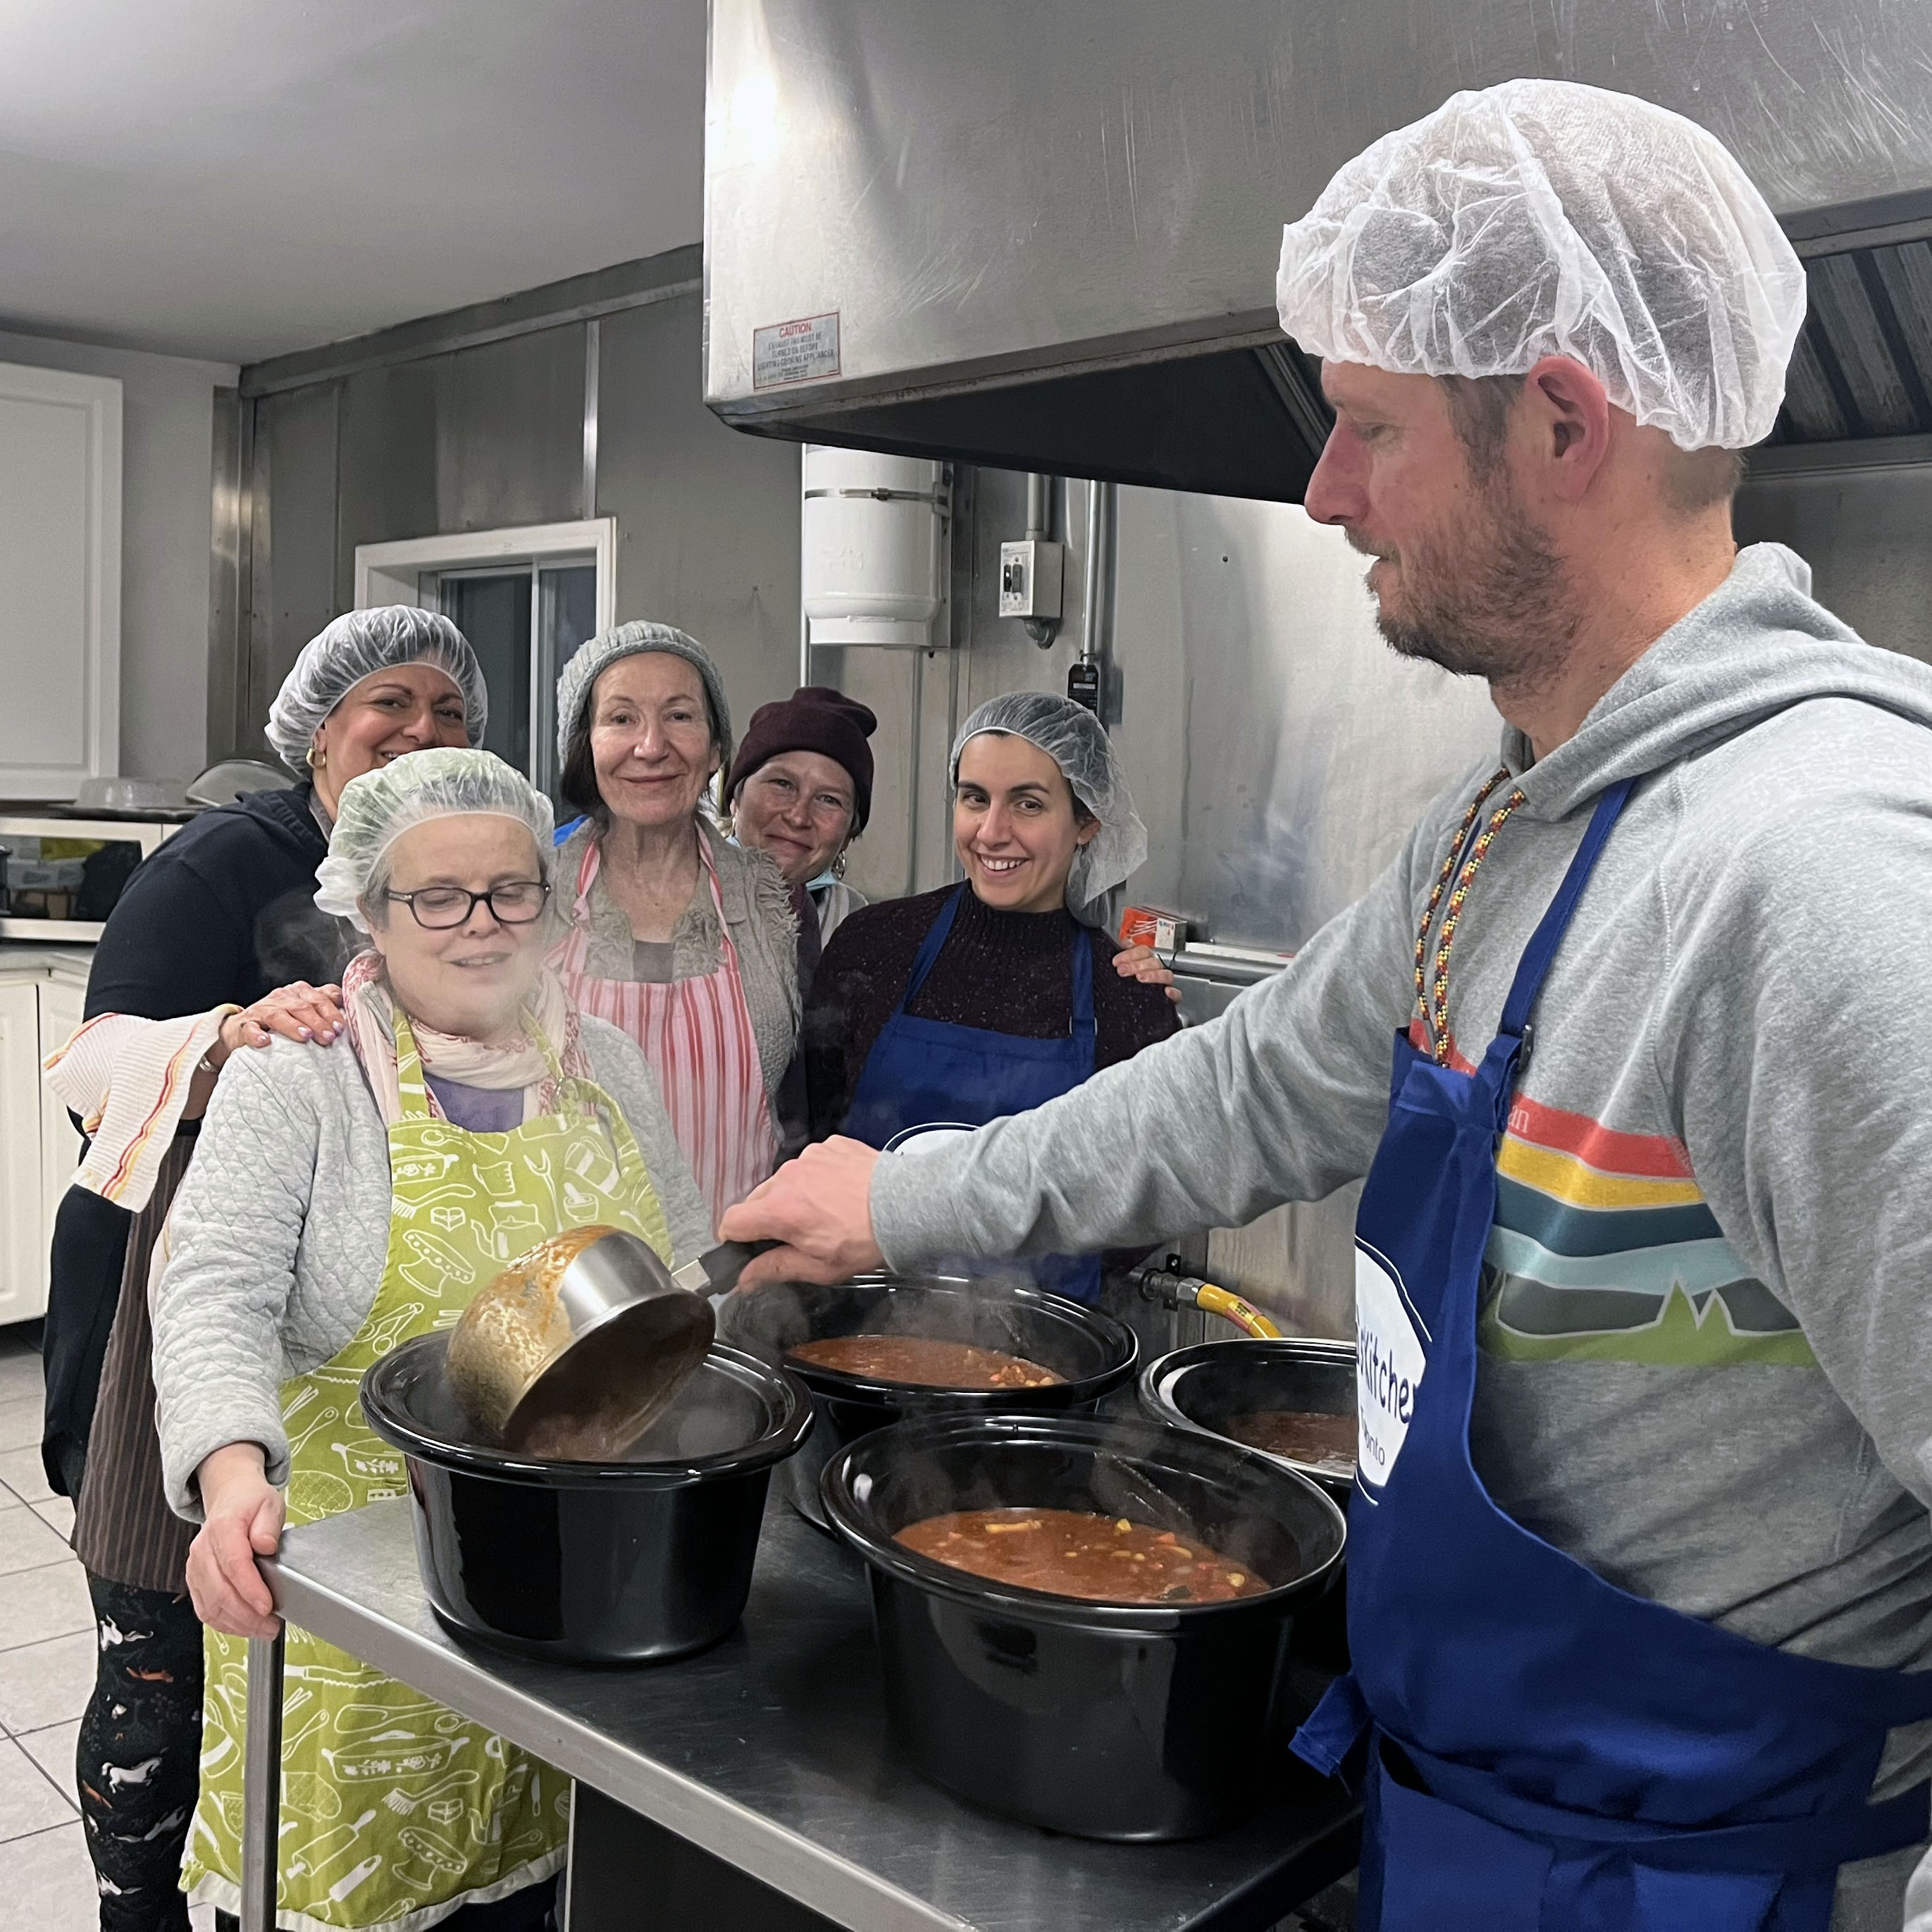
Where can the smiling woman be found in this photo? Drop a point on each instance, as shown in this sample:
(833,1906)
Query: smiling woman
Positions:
(186,974)
(996,995)
(344,1199)
(801,789)
(686,941)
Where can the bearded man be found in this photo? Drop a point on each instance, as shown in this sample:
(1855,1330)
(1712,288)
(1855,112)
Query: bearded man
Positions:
(1630,1043)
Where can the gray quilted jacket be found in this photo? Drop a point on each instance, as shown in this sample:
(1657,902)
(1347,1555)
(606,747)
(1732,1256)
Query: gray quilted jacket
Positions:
(277,1237)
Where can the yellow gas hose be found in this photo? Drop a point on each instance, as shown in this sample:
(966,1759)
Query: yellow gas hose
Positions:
(1244,1314)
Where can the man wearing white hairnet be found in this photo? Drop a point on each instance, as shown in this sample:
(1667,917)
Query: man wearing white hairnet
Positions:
(1640,1577)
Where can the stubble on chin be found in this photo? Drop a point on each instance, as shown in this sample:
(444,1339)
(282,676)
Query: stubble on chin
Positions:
(1493,603)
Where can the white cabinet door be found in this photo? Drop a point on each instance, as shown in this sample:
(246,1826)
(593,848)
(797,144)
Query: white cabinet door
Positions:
(61,1006)
(23,1258)
(60,560)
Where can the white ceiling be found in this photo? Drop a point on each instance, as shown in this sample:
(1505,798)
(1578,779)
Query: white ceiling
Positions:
(236,179)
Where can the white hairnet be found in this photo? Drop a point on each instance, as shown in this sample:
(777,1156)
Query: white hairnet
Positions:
(357,645)
(1077,741)
(596,655)
(1540,217)
(376,808)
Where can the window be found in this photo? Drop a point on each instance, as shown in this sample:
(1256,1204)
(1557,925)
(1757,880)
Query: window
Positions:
(525,598)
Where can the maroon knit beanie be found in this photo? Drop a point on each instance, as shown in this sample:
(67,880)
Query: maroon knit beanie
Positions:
(814,718)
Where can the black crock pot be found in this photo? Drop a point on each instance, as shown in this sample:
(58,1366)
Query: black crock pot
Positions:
(1136,1722)
(1091,1352)
(636,1562)
(1202,1388)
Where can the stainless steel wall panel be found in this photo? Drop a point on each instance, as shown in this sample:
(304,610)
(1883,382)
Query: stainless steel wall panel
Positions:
(1863,534)
(387,463)
(707,520)
(292,591)
(509,431)
(228,573)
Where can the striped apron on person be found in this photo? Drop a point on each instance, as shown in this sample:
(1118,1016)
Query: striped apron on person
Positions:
(696,1035)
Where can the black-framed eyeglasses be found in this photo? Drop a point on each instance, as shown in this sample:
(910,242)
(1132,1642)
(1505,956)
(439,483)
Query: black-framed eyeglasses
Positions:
(438,908)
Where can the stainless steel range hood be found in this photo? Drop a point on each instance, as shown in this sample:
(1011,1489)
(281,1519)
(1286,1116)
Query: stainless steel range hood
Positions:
(1042,237)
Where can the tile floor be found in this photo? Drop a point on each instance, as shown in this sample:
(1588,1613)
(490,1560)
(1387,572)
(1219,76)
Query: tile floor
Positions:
(46,1670)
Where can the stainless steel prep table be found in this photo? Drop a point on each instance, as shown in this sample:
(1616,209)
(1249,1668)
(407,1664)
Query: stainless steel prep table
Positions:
(770,1754)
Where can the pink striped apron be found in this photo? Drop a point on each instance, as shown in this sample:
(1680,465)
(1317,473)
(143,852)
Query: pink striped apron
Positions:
(696,1034)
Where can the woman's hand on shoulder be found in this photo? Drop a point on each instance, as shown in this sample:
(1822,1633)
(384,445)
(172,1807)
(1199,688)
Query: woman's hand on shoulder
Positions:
(297,1011)
(1144,964)
(243,1513)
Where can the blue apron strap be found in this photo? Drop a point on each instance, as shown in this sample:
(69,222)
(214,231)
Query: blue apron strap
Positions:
(1083,989)
(1540,953)
(929,948)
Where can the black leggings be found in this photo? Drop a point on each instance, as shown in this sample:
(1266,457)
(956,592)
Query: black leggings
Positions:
(137,1764)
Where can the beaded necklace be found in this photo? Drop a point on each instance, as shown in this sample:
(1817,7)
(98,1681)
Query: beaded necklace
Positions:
(1432,996)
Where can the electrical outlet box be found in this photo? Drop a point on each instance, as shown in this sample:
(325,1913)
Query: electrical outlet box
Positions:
(1032,573)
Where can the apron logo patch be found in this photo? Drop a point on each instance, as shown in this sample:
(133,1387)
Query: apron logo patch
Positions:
(1390,1360)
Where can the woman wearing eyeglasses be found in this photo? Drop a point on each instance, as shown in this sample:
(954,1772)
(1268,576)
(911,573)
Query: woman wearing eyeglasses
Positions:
(344,1199)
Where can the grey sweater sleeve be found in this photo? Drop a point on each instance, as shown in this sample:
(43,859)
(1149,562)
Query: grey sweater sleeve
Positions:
(233,1233)
(1793,1026)
(624,1073)
(1282,1098)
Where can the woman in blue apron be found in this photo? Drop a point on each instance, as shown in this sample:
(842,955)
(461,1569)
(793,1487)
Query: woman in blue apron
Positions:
(1538,1749)
(990,997)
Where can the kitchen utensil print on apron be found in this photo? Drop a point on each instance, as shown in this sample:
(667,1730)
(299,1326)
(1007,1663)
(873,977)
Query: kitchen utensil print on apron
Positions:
(394,1807)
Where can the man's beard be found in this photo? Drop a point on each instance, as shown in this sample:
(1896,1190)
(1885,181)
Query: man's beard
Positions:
(1497,608)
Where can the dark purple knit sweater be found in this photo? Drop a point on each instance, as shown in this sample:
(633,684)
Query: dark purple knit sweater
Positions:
(1008,972)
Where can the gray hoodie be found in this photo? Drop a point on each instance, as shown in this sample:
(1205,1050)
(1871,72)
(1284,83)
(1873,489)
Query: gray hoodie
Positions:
(1707,1363)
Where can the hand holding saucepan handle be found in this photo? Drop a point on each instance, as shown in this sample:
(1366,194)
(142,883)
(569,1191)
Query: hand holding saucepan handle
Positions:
(818,1210)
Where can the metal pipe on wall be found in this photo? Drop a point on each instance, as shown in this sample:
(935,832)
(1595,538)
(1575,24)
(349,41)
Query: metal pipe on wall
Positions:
(1040,530)
(1088,681)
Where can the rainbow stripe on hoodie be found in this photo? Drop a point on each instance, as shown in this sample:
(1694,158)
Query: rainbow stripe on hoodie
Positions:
(1604,1249)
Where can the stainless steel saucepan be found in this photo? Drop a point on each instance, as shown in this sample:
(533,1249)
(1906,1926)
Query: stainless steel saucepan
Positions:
(572,1351)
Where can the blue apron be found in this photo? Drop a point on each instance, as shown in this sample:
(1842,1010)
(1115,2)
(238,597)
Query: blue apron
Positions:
(925,1074)
(1539,1749)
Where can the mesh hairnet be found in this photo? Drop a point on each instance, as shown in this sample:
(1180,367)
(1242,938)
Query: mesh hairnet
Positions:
(1540,217)
(1076,741)
(357,645)
(375,809)
(598,654)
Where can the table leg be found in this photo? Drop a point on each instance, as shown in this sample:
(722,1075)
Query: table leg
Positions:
(261,1785)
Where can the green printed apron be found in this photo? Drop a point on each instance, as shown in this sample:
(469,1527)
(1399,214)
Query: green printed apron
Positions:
(394,1810)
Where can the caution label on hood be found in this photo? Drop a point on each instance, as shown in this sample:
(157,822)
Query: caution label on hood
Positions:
(795,351)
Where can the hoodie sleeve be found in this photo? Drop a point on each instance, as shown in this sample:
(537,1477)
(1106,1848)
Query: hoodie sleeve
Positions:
(1282,1098)
(1793,1031)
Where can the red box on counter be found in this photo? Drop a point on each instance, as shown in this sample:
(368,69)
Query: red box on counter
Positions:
(1149,925)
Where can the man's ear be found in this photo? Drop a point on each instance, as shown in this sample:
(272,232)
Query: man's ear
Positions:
(1569,426)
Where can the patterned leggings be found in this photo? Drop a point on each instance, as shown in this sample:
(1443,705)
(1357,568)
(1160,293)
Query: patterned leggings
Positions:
(138,1762)
(139,1767)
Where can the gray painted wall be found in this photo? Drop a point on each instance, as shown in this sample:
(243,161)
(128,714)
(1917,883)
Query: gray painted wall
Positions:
(166,431)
